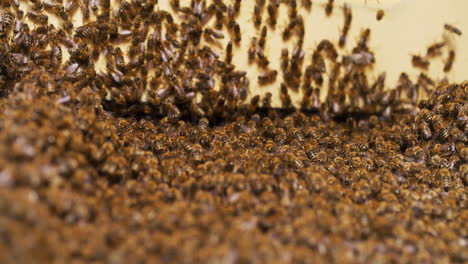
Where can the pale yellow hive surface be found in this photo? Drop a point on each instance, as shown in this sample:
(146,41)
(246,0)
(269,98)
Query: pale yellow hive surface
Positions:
(408,27)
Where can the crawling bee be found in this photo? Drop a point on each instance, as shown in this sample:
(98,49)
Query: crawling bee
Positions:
(37,16)
(7,19)
(197,153)
(203,124)
(435,49)
(268,76)
(329,7)
(448,64)
(420,62)
(252,50)
(348,17)
(446,179)
(380,14)
(228,58)
(272,14)
(425,176)
(453,29)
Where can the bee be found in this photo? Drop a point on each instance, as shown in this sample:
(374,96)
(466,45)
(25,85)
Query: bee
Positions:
(263,34)
(56,55)
(228,58)
(418,153)
(298,135)
(173,113)
(86,31)
(321,157)
(444,133)
(175,4)
(71,6)
(287,31)
(252,50)
(446,179)
(219,19)
(270,145)
(213,33)
(453,29)
(105,4)
(286,101)
(257,15)
(284,59)
(464,173)
(67,26)
(348,17)
(448,64)
(272,14)
(268,76)
(318,61)
(80,75)
(425,130)
(244,88)
(267,100)
(364,38)
(237,6)
(203,124)
(7,19)
(40,54)
(420,62)
(329,7)
(79,53)
(380,14)
(237,33)
(426,115)
(84,11)
(307,4)
(37,16)
(361,147)
(435,49)
(36,4)
(59,10)
(425,176)
(262,60)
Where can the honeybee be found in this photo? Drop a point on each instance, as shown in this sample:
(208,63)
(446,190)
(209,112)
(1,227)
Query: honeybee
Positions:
(268,76)
(329,7)
(284,59)
(307,4)
(263,34)
(213,33)
(425,176)
(267,100)
(453,29)
(59,10)
(37,16)
(7,19)
(228,58)
(257,15)
(252,50)
(435,49)
(448,64)
(464,173)
(425,129)
(272,14)
(380,14)
(348,17)
(420,62)
(446,179)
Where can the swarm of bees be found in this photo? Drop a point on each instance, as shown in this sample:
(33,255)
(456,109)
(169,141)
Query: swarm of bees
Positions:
(147,159)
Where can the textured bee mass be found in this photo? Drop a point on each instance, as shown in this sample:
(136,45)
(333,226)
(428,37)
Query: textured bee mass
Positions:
(167,155)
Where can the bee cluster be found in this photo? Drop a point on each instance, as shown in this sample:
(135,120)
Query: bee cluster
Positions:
(163,157)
